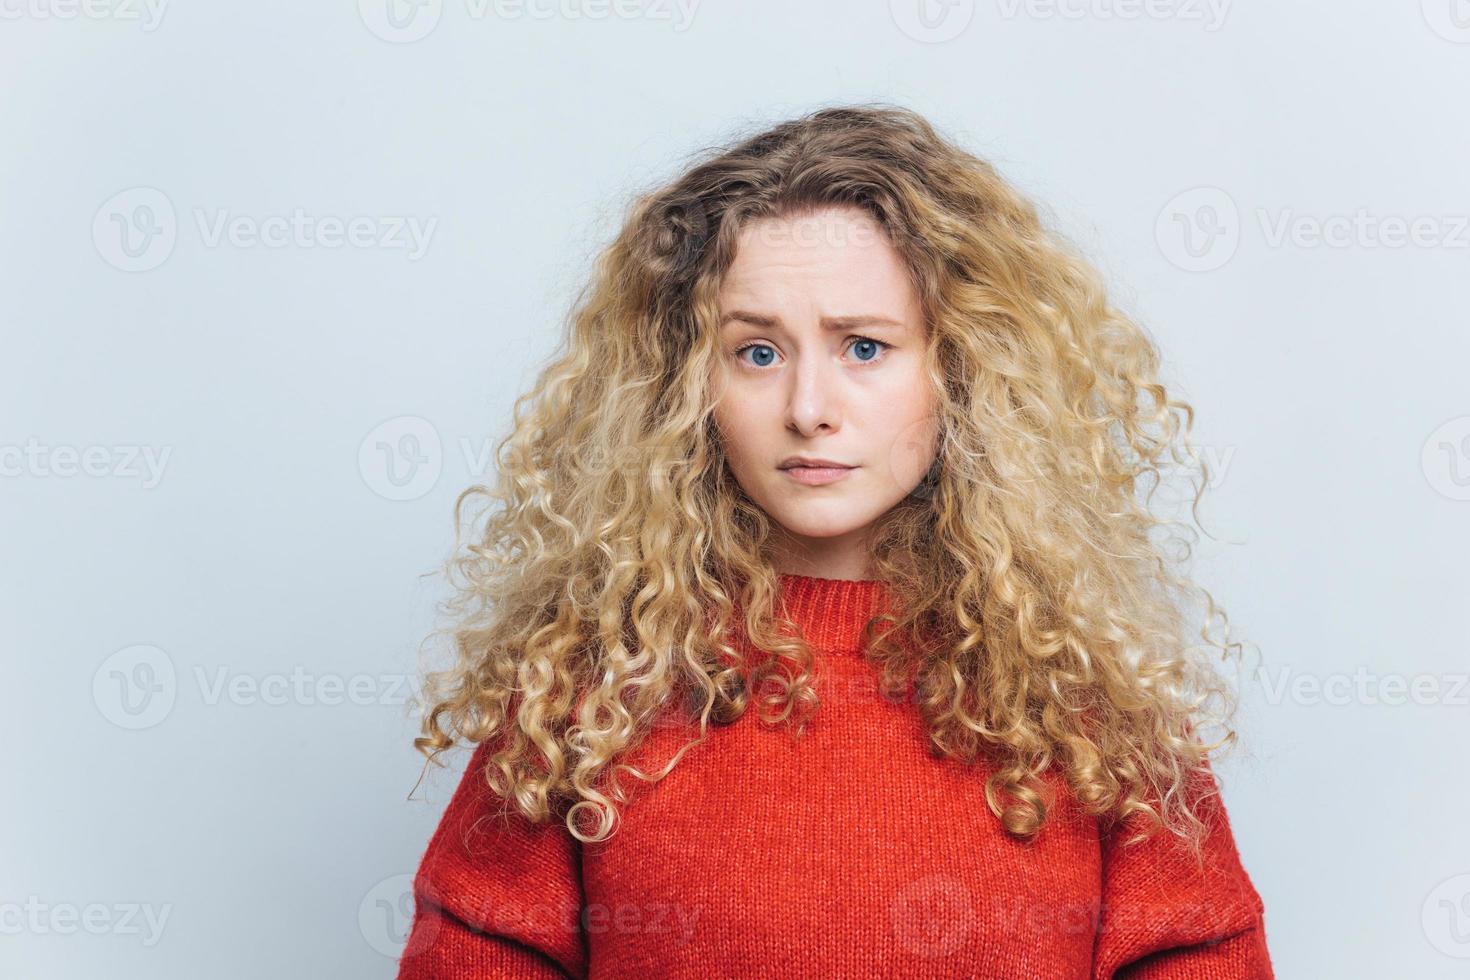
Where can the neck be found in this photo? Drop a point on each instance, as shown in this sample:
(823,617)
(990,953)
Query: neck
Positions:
(845,557)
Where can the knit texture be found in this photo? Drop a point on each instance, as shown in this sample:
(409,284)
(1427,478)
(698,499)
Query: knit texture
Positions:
(851,852)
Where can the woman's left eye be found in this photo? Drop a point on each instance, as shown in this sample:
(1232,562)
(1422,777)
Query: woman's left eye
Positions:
(864,343)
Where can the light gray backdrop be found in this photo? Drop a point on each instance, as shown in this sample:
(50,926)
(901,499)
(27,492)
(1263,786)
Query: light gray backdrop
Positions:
(273,273)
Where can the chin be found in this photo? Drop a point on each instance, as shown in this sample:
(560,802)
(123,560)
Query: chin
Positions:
(827,519)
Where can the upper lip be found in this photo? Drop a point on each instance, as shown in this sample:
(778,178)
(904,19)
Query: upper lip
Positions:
(793,461)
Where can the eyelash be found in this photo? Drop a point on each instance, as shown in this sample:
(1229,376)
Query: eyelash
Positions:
(857,340)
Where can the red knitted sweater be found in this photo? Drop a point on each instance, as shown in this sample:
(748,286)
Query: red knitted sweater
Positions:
(851,852)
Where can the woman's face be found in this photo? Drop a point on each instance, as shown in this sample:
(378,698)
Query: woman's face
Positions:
(822,341)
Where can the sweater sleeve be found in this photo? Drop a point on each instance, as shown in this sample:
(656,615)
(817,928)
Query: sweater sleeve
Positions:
(1167,917)
(495,895)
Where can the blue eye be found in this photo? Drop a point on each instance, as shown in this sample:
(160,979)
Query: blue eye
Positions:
(867,343)
(763,358)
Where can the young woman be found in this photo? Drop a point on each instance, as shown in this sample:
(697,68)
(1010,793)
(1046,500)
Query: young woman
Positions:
(818,625)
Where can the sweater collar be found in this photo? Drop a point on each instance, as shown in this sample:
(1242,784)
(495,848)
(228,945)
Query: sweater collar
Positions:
(830,612)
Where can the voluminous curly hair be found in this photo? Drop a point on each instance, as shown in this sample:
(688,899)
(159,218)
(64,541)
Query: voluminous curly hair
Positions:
(1040,617)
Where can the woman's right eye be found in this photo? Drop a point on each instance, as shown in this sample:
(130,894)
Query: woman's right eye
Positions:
(765,356)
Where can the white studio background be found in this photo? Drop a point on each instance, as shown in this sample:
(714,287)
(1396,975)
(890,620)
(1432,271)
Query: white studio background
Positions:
(274,272)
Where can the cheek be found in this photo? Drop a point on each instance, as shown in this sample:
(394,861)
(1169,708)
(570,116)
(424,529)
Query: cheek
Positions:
(910,450)
(736,432)
(908,433)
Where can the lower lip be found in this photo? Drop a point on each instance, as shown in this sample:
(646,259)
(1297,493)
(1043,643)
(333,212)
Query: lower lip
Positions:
(816,476)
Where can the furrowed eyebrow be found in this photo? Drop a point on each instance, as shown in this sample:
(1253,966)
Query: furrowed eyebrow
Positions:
(828,322)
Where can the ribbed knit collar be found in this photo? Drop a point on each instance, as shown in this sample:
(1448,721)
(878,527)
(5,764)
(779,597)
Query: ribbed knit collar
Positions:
(831,612)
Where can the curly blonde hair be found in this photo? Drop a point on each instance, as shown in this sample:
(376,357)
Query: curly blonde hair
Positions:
(1040,622)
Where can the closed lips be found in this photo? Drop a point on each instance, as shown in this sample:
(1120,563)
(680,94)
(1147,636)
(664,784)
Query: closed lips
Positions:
(818,464)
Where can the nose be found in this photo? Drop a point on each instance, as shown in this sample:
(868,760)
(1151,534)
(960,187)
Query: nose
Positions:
(813,403)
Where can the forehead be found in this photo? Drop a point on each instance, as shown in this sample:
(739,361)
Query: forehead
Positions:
(838,259)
